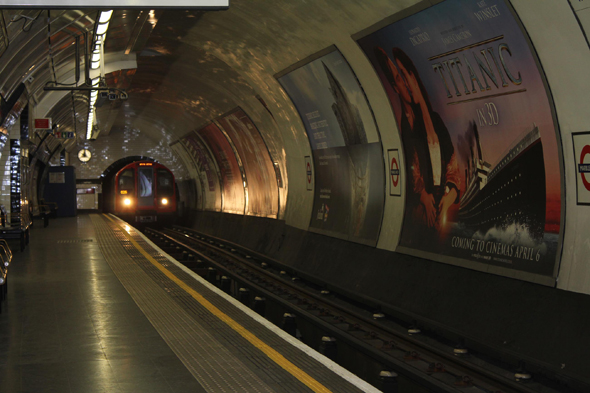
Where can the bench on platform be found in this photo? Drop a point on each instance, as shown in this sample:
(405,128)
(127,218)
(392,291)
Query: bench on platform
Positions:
(51,206)
(18,229)
(42,212)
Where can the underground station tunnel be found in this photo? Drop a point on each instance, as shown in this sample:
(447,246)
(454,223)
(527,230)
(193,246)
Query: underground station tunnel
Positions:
(295,196)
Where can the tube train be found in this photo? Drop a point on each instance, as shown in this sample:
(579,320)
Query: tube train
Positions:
(145,192)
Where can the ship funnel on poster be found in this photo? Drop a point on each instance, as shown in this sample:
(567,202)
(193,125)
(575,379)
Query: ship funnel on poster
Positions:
(479,138)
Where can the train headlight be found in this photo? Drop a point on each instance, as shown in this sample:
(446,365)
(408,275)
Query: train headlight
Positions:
(127,201)
(164,201)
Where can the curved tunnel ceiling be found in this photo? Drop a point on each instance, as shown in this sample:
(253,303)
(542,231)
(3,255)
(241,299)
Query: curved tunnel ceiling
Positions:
(192,66)
(198,58)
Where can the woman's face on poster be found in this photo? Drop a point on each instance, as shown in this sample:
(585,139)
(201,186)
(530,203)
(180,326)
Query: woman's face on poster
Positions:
(410,82)
(400,86)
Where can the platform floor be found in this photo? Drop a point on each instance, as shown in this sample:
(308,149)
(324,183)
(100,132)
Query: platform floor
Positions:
(93,306)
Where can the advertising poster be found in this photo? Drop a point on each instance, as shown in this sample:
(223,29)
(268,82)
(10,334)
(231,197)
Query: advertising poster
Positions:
(231,176)
(201,157)
(206,168)
(483,177)
(349,186)
(263,193)
(179,150)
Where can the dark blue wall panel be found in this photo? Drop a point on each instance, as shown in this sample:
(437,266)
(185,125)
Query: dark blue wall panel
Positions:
(64,194)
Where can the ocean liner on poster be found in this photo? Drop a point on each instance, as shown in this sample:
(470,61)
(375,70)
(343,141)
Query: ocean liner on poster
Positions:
(510,193)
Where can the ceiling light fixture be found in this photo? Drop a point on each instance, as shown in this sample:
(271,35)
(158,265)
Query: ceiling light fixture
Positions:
(102,28)
(91,109)
(99,37)
(105,16)
(97,54)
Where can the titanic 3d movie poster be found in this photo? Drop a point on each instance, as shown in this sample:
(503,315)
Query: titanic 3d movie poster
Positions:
(479,139)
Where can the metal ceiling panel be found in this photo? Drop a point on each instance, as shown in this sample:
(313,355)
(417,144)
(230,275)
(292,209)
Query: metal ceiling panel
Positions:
(28,52)
(3,34)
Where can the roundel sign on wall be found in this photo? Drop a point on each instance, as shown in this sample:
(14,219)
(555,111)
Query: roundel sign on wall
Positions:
(394,172)
(582,158)
(395,188)
(308,173)
(584,166)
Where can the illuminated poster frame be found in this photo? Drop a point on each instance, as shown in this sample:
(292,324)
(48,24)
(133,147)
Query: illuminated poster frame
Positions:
(200,156)
(233,180)
(348,172)
(205,165)
(256,160)
(463,75)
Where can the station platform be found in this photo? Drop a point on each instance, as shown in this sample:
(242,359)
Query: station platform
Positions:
(94,306)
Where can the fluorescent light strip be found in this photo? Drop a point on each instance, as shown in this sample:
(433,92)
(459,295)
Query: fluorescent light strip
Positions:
(105,16)
(101,30)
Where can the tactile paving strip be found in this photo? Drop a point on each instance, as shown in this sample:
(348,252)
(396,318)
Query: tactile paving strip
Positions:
(216,369)
(274,376)
(263,366)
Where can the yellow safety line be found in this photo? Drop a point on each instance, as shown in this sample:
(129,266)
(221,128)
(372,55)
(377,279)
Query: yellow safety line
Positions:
(266,349)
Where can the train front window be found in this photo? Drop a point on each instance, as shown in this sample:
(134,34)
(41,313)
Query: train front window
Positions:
(165,183)
(145,186)
(127,181)
(145,182)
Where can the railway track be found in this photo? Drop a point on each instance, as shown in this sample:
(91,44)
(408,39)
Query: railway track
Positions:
(411,360)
